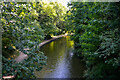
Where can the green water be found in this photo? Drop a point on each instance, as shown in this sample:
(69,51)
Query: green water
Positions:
(61,63)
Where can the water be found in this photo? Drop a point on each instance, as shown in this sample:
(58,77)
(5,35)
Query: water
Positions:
(61,63)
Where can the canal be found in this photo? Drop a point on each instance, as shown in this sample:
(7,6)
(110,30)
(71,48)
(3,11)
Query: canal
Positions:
(61,63)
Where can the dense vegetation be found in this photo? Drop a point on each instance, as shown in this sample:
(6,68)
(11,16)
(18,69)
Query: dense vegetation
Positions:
(24,26)
(96,28)
(97,37)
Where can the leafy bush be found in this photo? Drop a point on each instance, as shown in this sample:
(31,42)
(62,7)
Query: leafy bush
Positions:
(25,25)
(22,30)
(96,37)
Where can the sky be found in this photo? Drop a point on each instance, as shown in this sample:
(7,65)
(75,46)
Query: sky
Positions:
(63,2)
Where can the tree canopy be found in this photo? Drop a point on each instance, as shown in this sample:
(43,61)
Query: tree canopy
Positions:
(97,37)
(96,28)
(24,26)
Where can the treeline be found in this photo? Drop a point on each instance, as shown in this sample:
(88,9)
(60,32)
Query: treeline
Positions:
(97,37)
(24,26)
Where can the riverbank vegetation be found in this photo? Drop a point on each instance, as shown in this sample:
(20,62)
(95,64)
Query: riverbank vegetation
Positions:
(24,26)
(97,37)
(96,28)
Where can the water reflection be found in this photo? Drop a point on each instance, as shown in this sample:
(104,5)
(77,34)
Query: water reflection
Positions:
(61,63)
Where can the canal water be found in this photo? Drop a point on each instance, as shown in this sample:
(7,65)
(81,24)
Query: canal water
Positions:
(61,63)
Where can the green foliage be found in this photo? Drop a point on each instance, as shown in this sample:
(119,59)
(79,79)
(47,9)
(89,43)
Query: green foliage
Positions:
(97,37)
(22,30)
(109,49)
(51,17)
(24,26)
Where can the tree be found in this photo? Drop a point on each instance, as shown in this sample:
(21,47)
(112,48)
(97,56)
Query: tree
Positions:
(96,27)
(22,30)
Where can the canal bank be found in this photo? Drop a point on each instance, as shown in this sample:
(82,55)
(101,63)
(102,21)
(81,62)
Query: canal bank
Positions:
(23,56)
